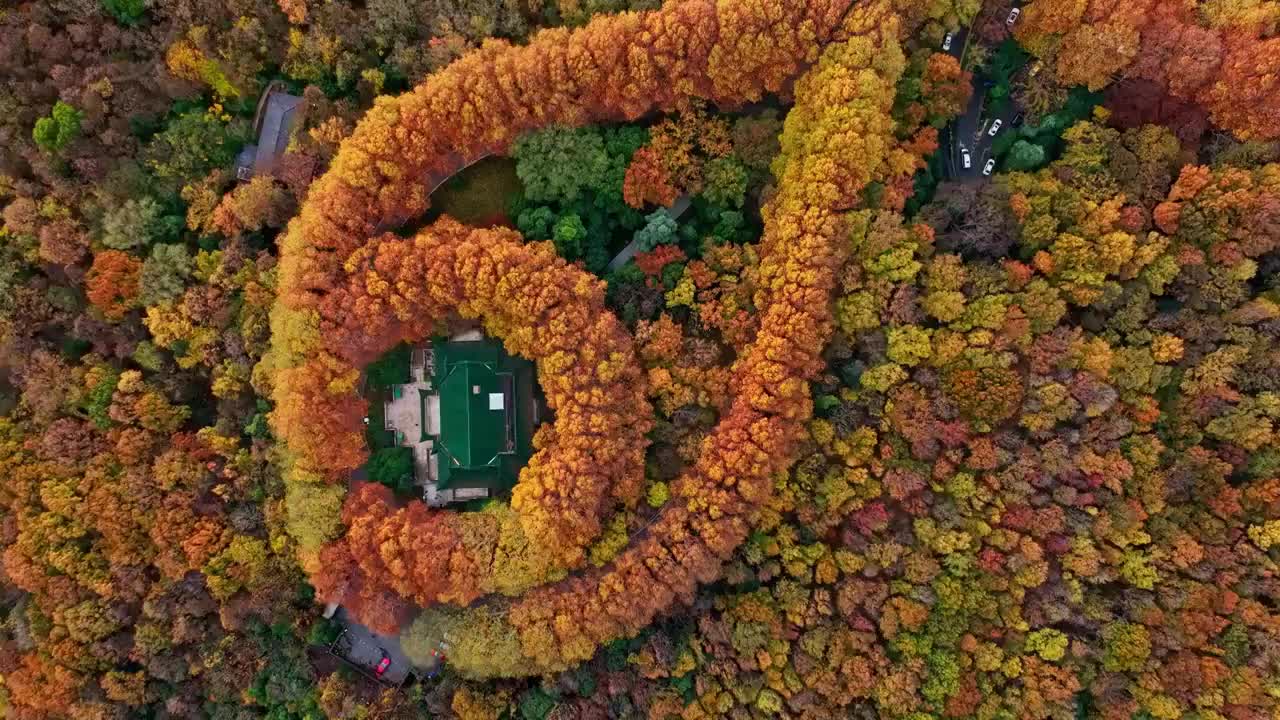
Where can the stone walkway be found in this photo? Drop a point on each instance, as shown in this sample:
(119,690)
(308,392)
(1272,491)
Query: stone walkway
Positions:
(624,256)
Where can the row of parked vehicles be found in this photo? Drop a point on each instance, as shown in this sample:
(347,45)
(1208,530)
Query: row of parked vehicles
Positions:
(967,159)
(993,128)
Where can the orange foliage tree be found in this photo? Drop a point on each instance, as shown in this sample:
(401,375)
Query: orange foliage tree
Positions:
(945,86)
(1216,56)
(112,284)
(344,299)
(617,67)
(590,458)
(838,139)
(648,181)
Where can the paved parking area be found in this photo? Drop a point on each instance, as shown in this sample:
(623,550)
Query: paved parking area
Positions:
(363,647)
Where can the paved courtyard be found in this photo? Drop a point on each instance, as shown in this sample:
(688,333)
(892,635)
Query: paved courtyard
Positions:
(406,412)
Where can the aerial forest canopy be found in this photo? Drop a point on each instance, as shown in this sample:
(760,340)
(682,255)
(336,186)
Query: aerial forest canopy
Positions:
(893,359)
(592,458)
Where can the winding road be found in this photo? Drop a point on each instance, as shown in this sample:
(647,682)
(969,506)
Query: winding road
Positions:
(972,130)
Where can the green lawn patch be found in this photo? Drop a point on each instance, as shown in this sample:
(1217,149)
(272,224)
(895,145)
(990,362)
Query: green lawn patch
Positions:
(481,194)
(390,369)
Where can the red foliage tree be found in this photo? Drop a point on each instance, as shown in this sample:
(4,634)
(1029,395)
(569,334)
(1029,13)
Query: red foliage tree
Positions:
(647,181)
(112,283)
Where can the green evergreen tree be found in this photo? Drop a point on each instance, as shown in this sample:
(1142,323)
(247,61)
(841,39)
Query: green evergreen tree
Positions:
(392,467)
(55,132)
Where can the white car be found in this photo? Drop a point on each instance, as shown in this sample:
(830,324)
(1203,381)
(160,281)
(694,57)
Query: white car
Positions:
(966,158)
(1013,16)
(946,42)
(991,165)
(995,127)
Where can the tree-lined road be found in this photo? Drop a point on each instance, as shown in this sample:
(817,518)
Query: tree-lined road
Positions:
(972,131)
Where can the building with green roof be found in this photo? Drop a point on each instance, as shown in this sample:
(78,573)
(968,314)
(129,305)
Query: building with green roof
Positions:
(487,413)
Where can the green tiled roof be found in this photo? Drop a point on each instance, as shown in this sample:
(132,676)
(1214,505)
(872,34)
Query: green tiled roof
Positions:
(472,433)
(485,406)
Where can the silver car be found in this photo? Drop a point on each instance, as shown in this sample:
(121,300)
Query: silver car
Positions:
(991,165)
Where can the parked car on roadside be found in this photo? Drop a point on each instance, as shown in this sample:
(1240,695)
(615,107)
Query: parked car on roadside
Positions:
(946,42)
(991,165)
(995,127)
(1014,14)
(965,158)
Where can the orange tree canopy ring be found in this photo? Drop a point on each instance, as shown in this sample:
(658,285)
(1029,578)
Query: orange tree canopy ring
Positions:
(343,300)
(591,457)
(326,326)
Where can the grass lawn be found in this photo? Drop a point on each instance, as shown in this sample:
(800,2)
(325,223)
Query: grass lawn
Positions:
(390,369)
(375,433)
(479,195)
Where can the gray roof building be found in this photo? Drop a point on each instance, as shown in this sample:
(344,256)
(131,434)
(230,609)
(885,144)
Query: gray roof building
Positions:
(277,113)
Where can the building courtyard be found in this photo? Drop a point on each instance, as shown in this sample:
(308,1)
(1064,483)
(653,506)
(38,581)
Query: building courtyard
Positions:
(466,412)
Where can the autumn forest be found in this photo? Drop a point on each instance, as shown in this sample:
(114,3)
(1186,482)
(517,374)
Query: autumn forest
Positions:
(886,359)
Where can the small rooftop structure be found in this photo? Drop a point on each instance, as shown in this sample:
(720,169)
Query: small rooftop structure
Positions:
(277,113)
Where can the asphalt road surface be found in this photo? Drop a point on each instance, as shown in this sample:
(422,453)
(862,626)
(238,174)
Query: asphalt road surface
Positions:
(971,133)
(365,648)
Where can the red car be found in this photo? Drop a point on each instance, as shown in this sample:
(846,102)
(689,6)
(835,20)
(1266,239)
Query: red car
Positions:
(383,664)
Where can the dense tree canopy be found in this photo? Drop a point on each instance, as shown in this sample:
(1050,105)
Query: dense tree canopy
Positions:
(835,428)
(1224,59)
(389,298)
